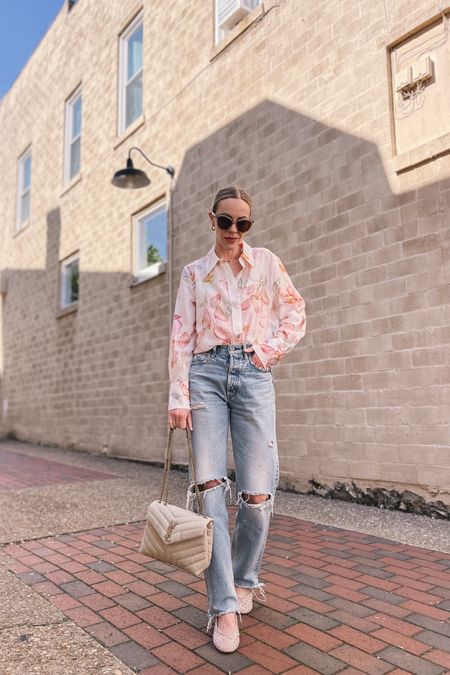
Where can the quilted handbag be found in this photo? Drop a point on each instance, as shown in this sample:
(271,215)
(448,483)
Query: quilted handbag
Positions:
(174,535)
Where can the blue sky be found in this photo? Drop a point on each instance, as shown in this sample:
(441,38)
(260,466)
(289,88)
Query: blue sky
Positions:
(23,23)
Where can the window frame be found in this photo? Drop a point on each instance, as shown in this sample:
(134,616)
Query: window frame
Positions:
(156,268)
(123,69)
(68,142)
(63,278)
(21,192)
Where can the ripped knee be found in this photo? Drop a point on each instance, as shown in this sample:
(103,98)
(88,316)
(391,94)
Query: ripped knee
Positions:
(211,484)
(208,487)
(254,499)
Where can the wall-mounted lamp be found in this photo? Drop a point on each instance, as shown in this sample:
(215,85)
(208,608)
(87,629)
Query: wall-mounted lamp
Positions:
(131,178)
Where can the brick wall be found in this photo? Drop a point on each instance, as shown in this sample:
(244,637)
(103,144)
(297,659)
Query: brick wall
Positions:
(298,110)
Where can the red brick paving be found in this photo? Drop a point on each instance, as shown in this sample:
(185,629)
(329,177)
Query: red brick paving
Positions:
(19,471)
(338,602)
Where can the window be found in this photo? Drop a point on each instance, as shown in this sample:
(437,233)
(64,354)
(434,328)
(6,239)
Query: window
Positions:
(24,189)
(70,280)
(150,229)
(72,150)
(130,74)
(228,13)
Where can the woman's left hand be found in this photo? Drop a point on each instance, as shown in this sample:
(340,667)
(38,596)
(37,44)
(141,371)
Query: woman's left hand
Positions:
(255,358)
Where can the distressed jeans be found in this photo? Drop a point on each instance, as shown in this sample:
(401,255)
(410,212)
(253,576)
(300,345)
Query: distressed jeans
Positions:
(228,391)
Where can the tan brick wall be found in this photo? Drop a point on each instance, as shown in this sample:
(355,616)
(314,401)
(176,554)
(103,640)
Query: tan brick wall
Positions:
(297,109)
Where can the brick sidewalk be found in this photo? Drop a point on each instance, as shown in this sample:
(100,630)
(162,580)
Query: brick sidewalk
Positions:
(338,602)
(19,471)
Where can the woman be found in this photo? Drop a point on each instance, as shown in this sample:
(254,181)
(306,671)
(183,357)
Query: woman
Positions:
(236,314)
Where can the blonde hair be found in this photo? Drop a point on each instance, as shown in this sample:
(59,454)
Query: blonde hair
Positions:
(234,192)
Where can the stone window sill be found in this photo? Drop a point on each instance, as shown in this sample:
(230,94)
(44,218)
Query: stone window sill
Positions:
(129,131)
(150,273)
(423,153)
(71,184)
(71,309)
(22,228)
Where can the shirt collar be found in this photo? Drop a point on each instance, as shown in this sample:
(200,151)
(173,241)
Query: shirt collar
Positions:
(245,257)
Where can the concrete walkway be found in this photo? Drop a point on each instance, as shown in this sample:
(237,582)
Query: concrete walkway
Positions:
(350,588)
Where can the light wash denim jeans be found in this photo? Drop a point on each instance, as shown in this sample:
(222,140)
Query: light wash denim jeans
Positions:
(228,391)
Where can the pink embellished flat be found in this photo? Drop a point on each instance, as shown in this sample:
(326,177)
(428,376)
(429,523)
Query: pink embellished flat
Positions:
(246,601)
(226,642)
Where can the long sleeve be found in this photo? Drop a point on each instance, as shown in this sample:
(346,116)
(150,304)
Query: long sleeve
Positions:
(182,342)
(290,308)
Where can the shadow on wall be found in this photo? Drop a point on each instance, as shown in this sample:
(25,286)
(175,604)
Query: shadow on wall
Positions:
(352,397)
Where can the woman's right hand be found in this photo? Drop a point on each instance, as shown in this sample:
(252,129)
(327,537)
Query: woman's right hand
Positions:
(179,418)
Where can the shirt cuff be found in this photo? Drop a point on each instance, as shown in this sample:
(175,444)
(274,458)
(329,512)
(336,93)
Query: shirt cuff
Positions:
(178,396)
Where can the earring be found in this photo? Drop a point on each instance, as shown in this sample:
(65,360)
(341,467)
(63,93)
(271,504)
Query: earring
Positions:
(213,227)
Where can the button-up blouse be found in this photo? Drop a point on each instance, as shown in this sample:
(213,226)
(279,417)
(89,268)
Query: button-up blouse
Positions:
(213,307)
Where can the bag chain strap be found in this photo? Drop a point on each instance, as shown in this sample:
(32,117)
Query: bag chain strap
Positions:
(167,464)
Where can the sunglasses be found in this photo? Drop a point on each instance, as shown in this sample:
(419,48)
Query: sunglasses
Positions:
(224,221)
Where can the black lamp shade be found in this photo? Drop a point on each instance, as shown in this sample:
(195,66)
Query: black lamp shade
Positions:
(130,178)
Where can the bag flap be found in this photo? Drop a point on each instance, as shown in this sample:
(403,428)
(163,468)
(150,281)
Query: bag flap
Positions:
(174,524)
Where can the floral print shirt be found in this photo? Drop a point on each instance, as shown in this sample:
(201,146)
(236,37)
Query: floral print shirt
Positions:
(214,307)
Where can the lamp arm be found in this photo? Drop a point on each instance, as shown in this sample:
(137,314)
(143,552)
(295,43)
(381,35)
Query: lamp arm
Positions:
(170,170)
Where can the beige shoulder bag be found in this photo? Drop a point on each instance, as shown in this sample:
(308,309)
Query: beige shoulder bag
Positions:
(174,535)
